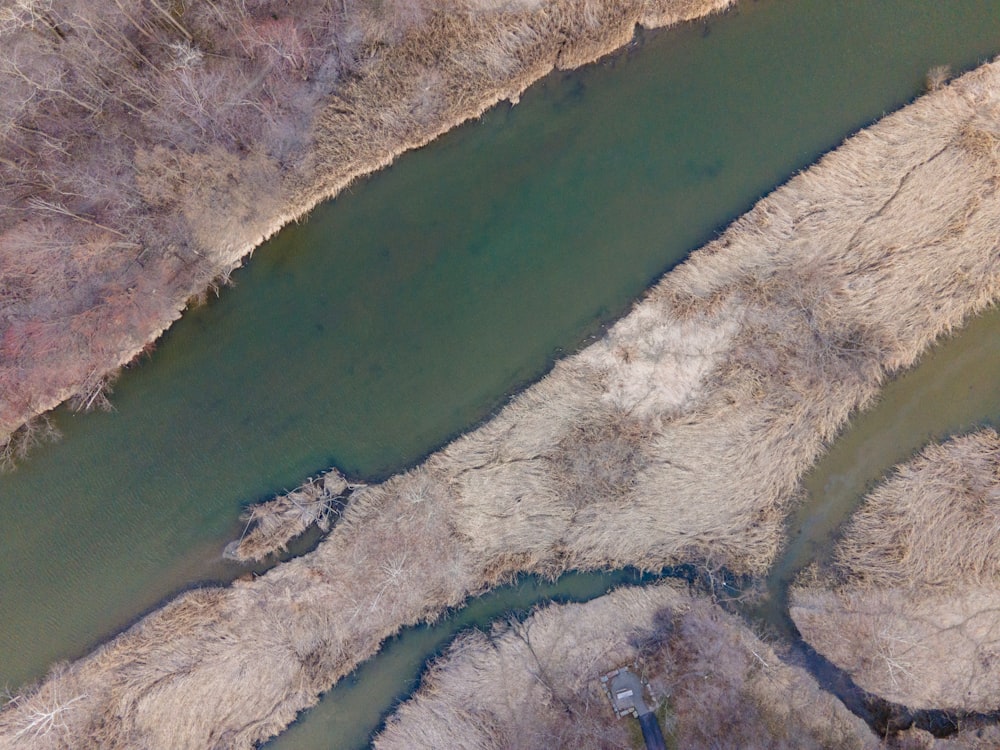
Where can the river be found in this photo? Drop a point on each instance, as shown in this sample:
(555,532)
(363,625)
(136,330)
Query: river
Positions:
(954,389)
(406,310)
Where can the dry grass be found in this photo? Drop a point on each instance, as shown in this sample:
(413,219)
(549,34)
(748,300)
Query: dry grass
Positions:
(911,603)
(934,523)
(967,738)
(535,684)
(36,431)
(145,151)
(725,383)
(271,525)
(937,77)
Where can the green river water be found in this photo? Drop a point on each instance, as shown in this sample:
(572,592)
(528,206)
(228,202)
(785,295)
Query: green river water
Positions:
(954,389)
(403,312)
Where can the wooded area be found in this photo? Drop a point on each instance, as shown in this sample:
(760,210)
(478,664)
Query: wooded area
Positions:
(146,146)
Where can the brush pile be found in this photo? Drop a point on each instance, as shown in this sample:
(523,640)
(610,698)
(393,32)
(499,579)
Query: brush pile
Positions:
(910,605)
(271,525)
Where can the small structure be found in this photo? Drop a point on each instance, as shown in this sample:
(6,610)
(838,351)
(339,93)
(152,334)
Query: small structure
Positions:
(627,693)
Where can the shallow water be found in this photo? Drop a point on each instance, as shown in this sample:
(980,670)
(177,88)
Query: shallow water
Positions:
(356,706)
(402,312)
(954,389)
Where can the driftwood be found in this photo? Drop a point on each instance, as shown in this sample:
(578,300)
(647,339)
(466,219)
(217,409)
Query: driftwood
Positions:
(271,525)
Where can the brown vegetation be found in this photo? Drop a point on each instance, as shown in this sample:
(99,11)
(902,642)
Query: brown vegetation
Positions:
(715,394)
(937,77)
(535,683)
(910,604)
(967,738)
(146,147)
(271,525)
(34,432)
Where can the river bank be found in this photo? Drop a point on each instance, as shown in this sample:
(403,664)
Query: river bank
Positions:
(711,682)
(382,358)
(952,389)
(679,437)
(536,683)
(173,140)
(907,603)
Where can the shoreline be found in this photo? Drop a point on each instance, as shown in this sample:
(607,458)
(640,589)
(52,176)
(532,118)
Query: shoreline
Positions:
(726,381)
(907,604)
(329,165)
(539,679)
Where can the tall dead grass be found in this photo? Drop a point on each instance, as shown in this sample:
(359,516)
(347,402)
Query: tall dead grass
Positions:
(272,524)
(713,397)
(535,683)
(910,605)
(145,151)
(972,738)
(935,522)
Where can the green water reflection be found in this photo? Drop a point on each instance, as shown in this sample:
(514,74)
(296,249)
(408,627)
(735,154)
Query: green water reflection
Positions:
(402,312)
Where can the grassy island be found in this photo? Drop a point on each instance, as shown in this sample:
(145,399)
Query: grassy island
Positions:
(679,437)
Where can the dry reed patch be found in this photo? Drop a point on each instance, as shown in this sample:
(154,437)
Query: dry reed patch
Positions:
(967,738)
(144,151)
(937,77)
(536,683)
(910,604)
(36,431)
(935,522)
(729,438)
(271,525)
(599,461)
(920,648)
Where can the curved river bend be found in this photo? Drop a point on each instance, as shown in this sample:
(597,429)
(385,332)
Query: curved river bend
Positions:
(402,312)
(954,389)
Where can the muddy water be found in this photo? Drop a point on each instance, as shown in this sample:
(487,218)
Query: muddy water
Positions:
(954,389)
(402,312)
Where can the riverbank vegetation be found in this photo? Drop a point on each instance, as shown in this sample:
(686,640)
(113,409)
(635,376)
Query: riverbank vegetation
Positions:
(272,524)
(711,398)
(536,683)
(909,604)
(147,147)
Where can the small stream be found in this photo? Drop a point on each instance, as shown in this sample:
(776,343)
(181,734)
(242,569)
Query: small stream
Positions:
(954,389)
(355,708)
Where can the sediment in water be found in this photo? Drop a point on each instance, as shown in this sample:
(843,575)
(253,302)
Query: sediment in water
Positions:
(909,603)
(680,437)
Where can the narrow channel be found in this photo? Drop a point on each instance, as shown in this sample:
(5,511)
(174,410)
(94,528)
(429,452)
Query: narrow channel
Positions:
(354,709)
(954,389)
(402,312)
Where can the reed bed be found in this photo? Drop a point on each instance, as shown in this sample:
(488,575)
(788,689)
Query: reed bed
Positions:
(910,604)
(696,416)
(967,738)
(536,683)
(272,524)
(146,150)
